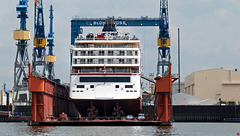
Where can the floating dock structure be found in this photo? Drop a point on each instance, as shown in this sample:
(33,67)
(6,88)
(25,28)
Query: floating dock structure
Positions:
(49,99)
(51,106)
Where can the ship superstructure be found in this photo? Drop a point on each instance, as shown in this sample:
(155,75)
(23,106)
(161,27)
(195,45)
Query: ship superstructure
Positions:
(105,73)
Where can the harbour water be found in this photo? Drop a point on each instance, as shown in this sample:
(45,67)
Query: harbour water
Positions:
(178,129)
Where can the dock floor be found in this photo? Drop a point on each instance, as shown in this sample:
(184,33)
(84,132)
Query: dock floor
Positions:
(100,123)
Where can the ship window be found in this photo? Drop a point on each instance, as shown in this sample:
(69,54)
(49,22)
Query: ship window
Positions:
(129,53)
(136,61)
(101,53)
(135,90)
(90,53)
(80,86)
(101,61)
(81,91)
(121,53)
(121,61)
(83,53)
(116,86)
(77,91)
(110,61)
(136,53)
(110,53)
(131,91)
(73,91)
(75,61)
(128,86)
(91,86)
(127,91)
(82,61)
(104,79)
(129,61)
(89,61)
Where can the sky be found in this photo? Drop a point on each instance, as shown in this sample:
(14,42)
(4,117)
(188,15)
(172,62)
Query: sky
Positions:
(209,31)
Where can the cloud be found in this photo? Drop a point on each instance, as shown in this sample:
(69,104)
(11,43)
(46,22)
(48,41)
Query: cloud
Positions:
(221,12)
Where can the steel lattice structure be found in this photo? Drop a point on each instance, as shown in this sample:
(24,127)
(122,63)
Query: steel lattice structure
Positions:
(50,58)
(39,41)
(22,60)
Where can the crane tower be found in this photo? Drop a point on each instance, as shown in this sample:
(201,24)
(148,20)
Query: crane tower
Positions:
(39,41)
(164,77)
(22,60)
(163,40)
(50,58)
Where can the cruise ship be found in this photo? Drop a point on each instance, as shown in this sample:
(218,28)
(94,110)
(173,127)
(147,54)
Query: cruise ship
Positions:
(105,73)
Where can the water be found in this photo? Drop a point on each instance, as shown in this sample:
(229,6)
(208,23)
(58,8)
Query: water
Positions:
(178,129)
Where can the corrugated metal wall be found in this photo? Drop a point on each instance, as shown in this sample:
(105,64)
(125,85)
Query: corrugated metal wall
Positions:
(199,113)
(205,113)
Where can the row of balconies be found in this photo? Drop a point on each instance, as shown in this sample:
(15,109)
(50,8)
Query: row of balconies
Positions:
(104,70)
(105,46)
(106,53)
(105,61)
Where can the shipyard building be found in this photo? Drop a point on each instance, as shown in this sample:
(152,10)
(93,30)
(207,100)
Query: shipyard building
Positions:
(219,84)
(3,97)
(175,88)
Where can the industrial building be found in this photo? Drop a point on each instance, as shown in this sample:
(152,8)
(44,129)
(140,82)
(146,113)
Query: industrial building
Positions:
(175,88)
(186,99)
(219,84)
(3,97)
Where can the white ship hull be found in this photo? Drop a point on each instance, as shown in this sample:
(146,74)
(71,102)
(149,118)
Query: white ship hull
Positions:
(105,90)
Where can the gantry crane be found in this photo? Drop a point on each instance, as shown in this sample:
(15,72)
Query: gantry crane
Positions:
(22,60)
(39,41)
(50,58)
(164,78)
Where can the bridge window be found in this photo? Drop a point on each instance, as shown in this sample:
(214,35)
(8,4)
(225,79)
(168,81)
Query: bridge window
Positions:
(105,79)
(128,86)
(80,86)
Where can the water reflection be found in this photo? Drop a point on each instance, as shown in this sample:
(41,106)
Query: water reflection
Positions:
(102,131)
(39,130)
(178,129)
(164,130)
